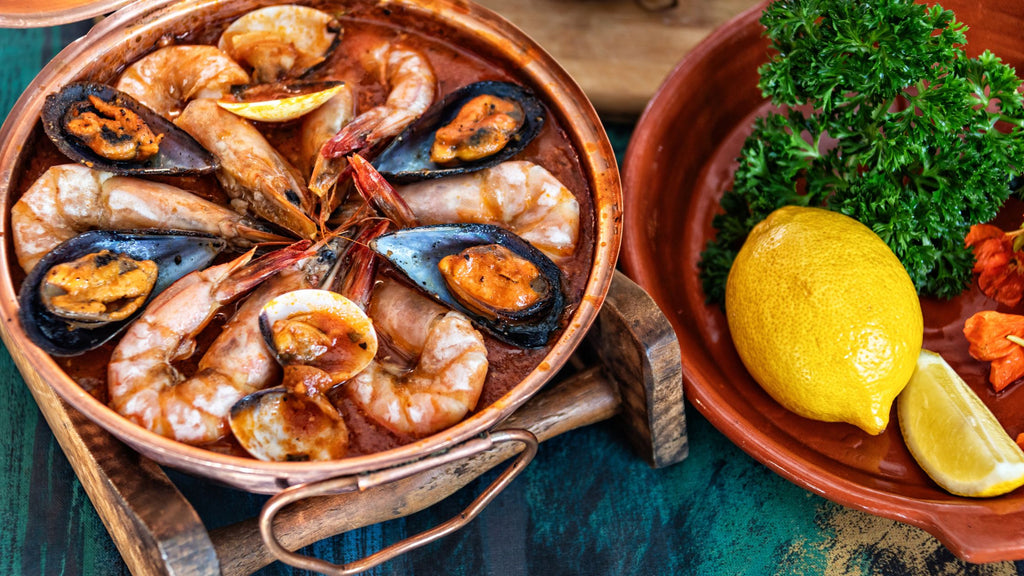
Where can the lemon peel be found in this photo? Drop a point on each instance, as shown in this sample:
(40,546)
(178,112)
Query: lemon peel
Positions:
(281,109)
(824,316)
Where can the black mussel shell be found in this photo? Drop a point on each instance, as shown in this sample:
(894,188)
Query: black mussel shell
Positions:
(176,253)
(179,154)
(407,159)
(415,252)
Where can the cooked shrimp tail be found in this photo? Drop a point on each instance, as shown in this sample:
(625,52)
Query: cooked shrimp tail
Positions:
(361,266)
(273,262)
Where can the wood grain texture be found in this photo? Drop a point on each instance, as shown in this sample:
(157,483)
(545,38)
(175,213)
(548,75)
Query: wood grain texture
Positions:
(639,347)
(152,524)
(586,398)
(619,51)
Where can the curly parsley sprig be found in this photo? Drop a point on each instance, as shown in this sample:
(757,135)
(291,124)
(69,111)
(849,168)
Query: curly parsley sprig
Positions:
(883,119)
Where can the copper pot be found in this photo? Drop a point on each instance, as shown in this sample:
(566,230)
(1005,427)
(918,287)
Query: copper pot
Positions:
(126,36)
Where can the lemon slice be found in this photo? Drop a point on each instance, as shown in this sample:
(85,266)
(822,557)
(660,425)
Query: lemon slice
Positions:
(281,109)
(954,436)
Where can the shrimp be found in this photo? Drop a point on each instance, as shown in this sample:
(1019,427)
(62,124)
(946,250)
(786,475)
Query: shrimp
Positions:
(449,373)
(252,172)
(280,41)
(413,87)
(166,79)
(145,387)
(70,198)
(298,421)
(518,195)
(319,125)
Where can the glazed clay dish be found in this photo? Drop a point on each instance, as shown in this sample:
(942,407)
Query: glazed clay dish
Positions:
(465,44)
(18,14)
(677,166)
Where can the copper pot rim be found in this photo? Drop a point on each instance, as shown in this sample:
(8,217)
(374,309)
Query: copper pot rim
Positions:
(537,68)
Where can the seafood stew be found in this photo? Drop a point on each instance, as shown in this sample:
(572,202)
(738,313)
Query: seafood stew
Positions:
(455,61)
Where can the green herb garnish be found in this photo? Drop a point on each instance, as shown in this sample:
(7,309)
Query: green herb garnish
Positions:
(883,118)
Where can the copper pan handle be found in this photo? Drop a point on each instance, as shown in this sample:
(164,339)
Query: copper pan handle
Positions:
(362,482)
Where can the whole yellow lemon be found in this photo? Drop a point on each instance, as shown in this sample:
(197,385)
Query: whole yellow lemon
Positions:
(824,316)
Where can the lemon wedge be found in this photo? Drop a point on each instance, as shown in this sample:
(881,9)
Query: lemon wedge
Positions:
(281,109)
(953,435)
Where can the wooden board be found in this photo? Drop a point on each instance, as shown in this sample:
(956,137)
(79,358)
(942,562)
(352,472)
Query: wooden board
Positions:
(619,51)
(159,533)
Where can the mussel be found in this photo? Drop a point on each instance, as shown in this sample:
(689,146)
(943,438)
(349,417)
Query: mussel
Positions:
(321,339)
(104,128)
(485,122)
(501,281)
(65,314)
(280,101)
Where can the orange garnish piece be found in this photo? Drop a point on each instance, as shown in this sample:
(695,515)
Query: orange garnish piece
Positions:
(1000,268)
(997,338)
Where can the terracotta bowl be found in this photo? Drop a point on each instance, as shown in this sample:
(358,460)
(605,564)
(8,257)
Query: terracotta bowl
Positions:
(20,14)
(129,33)
(677,166)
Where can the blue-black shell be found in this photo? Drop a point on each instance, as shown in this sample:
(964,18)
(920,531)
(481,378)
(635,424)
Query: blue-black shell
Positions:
(415,252)
(179,153)
(176,253)
(407,158)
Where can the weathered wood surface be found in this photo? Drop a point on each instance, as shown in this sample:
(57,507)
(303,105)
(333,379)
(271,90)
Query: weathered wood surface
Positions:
(619,51)
(642,364)
(586,399)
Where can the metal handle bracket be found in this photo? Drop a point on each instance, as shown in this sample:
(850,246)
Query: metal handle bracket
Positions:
(369,480)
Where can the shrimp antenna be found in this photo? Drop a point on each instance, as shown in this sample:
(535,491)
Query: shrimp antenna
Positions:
(380,194)
(360,263)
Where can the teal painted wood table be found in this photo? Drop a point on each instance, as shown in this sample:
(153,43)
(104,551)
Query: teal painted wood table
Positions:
(587,504)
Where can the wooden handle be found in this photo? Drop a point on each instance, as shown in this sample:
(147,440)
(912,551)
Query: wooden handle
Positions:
(154,527)
(584,399)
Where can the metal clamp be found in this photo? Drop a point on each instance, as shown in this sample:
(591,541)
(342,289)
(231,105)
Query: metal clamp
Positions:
(369,480)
